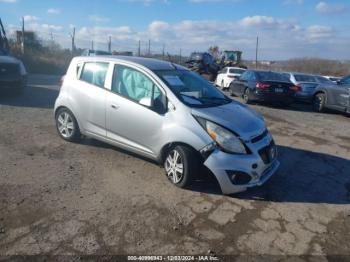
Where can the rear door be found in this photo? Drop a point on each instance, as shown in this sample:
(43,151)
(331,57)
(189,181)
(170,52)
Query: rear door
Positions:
(341,94)
(129,120)
(90,96)
(238,86)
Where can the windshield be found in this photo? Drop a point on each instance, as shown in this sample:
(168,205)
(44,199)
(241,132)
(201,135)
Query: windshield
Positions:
(272,76)
(192,89)
(236,71)
(305,78)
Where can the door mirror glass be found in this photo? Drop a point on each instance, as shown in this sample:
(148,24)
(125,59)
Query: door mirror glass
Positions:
(146,101)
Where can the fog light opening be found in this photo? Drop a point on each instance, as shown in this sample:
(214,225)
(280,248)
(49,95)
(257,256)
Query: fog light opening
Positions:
(238,177)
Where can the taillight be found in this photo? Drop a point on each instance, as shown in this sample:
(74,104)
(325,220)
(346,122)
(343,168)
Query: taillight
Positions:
(295,88)
(262,86)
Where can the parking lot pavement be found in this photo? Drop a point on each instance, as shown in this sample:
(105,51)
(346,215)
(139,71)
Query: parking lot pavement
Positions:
(91,198)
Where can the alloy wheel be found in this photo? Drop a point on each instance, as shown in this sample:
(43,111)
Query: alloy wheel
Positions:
(174,167)
(65,125)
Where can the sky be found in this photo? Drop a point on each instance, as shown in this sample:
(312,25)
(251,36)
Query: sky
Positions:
(286,28)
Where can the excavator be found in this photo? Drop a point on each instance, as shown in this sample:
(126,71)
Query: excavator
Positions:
(205,64)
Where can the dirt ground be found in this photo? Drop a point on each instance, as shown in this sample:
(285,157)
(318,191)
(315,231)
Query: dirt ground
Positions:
(91,198)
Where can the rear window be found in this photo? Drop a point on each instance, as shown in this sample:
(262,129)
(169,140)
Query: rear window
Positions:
(305,78)
(271,76)
(236,71)
(94,73)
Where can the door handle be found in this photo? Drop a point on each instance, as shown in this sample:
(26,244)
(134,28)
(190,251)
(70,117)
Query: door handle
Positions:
(114,106)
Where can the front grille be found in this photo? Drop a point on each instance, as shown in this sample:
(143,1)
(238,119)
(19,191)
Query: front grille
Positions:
(268,153)
(259,137)
(8,69)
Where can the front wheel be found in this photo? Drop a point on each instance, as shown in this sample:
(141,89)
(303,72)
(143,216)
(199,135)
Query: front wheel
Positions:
(181,166)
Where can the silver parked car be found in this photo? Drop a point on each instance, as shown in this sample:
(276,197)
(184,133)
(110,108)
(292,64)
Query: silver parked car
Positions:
(167,113)
(307,84)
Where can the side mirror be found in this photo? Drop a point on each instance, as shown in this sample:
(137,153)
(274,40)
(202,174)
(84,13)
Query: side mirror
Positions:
(146,101)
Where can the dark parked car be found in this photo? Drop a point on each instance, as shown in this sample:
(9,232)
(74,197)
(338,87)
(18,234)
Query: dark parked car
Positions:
(13,75)
(264,86)
(333,97)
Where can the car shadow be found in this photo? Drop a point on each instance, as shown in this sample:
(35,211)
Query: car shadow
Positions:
(35,96)
(304,177)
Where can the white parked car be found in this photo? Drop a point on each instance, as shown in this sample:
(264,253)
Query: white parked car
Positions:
(227,75)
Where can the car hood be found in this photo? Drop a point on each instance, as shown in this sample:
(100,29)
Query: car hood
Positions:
(9,60)
(239,118)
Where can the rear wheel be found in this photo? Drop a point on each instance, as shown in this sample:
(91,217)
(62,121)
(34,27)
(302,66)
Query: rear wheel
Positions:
(67,125)
(319,102)
(181,166)
(246,96)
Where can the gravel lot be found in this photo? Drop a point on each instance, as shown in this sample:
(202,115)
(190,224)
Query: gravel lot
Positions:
(91,198)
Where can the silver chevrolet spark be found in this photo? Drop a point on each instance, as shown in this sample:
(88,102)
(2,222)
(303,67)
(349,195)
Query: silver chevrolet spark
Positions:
(167,113)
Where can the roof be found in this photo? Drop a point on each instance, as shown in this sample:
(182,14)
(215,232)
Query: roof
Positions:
(150,63)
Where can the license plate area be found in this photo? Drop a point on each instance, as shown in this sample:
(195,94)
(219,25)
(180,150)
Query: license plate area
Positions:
(279,90)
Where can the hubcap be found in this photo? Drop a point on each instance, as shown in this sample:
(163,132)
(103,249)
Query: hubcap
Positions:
(65,125)
(174,167)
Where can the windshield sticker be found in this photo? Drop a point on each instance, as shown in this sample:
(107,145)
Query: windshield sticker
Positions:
(174,80)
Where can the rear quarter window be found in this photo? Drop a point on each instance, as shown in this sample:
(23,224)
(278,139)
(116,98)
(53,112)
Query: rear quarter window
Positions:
(94,73)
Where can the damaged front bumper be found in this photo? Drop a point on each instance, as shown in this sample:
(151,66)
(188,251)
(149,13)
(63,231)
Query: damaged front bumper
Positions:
(236,173)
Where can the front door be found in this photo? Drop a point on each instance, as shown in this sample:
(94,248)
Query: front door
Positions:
(135,111)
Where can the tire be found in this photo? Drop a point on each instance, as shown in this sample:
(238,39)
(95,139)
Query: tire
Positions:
(319,102)
(185,157)
(246,96)
(67,125)
(231,91)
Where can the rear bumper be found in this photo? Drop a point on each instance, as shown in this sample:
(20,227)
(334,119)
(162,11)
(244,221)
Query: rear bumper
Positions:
(304,97)
(13,82)
(273,97)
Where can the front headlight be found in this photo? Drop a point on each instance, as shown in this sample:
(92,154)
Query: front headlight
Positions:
(223,137)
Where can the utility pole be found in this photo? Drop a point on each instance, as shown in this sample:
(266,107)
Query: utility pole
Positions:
(149,47)
(110,44)
(73,41)
(139,50)
(163,53)
(22,35)
(256,53)
(92,45)
(180,55)
(51,39)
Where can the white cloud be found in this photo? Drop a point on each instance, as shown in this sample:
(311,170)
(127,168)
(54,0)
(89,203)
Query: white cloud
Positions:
(8,1)
(98,19)
(30,18)
(53,11)
(318,31)
(325,8)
